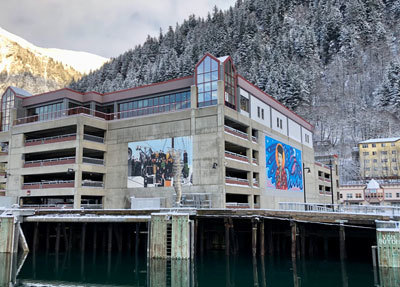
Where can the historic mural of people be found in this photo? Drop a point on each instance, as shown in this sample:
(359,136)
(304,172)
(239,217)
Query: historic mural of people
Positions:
(150,163)
(284,166)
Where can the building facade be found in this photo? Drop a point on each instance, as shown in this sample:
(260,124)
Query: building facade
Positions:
(379,158)
(372,192)
(234,144)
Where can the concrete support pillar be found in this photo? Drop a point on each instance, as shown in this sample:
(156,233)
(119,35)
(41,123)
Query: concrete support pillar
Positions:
(83,238)
(193,97)
(7,234)
(227,247)
(58,232)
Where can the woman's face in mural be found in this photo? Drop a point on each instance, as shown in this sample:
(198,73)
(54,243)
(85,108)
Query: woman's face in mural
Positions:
(280,159)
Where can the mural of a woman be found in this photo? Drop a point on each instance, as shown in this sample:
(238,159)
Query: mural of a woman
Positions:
(280,174)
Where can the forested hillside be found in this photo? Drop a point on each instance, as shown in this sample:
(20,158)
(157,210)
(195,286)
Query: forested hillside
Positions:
(335,62)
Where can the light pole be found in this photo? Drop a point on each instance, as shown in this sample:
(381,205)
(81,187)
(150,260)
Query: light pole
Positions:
(304,182)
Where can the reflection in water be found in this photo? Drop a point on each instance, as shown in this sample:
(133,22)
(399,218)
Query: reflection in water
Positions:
(213,269)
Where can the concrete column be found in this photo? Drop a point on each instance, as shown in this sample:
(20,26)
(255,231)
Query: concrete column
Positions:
(7,234)
(293,226)
(193,97)
(254,237)
(220,93)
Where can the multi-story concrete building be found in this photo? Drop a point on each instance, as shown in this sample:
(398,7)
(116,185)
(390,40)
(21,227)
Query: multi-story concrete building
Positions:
(379,158)
(372,192)
(235,145)
(327,174)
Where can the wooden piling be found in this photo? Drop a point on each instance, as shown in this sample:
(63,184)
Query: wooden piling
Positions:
(342,239)
(201,239)
(302,241)
(293,238)
(270,242)
(35,236)
(326,247)
(95,237)
(234,244)
(83,238)
(58,232)
(262,239)
(254,237)
(226,236)
(65,237)
(47,238)
(137,238)
(110,229)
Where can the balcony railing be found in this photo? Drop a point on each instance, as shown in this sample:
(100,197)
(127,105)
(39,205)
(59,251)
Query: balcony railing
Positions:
(48,162)
(93,160)
(236,156)
(235,180)
(237,205)
(254,139)
(49,184)
(93,138)
(165,108)
(47,140)
(91,183)
(254,161)
(236,132)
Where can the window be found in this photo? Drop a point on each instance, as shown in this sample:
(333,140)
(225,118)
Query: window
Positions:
(374,153)
(280,121)
(349,195)
(207,77)
(383,145)
(393,144)
(365,153)
(373,145)
(365,145)
(397,194)
(177,101)
(262,113)
(388,195)
(393,152)
(358,195)
(307,138)
(366,161)
(7,103)
(49,112)
(341,195)
(277,122)
(385,160)
(244,104)
(385,168)
(384,152)
(258,112)
(229,78)
(367,169)
(375,160)
(393,159)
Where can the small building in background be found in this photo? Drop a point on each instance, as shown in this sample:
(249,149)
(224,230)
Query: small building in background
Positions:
(327,177)
(372,192)
(379,158)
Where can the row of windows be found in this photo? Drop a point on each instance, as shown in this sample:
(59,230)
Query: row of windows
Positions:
(260,113)
(207,82)
(7,102)
(367,161)
(47,112)
(155,105)
(384,152)
(374,145)
(383,168)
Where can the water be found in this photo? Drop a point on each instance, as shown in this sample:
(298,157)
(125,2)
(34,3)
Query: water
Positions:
(214,269)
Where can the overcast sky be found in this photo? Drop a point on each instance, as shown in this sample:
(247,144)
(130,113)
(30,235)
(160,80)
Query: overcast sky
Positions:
(103,27)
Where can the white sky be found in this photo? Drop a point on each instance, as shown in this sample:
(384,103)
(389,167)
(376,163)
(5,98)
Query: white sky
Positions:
(104,27)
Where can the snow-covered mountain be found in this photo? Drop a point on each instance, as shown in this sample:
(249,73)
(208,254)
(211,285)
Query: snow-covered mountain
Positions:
(37,69)
(82,62)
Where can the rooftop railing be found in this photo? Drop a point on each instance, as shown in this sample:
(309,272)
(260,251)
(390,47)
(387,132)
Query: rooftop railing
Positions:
(236,132)
(49,184)
(339,208)
(236,156)
(52,139)
(52,161)
(235,180)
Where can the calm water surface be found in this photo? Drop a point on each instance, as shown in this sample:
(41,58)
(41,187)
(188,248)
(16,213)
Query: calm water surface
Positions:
(214,269)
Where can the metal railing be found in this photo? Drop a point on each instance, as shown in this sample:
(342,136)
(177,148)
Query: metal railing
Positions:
(237,205)
(229,153)
(340,208)
(93,160)
(41,162)
(50,182)
(91,183)
(93,138)
(195,200)
(42,140)
(49,206)
(164,108)
(91,206)
(233,130)
(241,180)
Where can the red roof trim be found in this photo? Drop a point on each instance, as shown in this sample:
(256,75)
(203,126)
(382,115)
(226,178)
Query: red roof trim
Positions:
(274,99)
(93,92)
(149,85)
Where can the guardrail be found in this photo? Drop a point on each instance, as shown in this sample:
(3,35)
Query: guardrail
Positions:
(237,205)
(91,160)
(93,138)
(52,139)
(237,156)
(195,200)
(236,132)
(49,184)
(45,162)
(235,180)
(340,208)
(90,183)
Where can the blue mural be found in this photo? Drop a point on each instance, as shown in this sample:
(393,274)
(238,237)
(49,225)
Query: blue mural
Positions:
(284,166)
